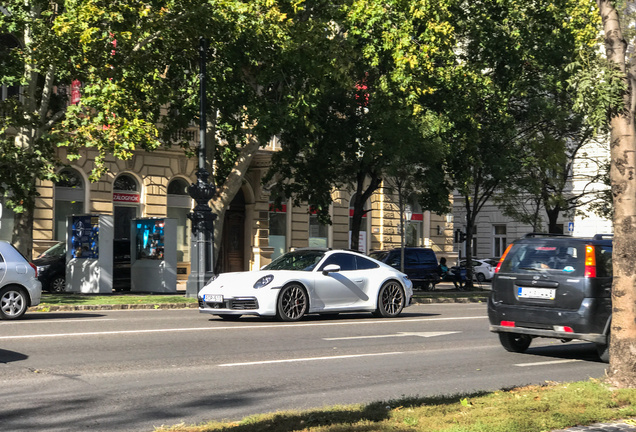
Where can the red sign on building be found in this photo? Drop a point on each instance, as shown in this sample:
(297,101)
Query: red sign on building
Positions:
(125,197)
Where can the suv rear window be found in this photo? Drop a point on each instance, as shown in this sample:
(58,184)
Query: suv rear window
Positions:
(548,257)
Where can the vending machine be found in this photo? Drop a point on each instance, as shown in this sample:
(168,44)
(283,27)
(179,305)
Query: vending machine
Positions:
(153,255)
(89,254)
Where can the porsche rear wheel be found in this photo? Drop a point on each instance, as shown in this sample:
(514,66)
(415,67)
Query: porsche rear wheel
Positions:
(293,303)
(391,300)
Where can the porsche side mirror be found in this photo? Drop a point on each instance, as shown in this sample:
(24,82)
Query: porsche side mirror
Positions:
(331,268)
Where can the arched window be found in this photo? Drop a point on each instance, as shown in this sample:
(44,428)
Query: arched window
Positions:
(277,224)
(413,228)
(126,199)
(362,242)
(179,205)
(69,200)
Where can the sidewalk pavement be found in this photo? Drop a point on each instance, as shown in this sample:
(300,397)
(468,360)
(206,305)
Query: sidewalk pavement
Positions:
(601,427)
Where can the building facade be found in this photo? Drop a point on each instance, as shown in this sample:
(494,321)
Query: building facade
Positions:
(154,184)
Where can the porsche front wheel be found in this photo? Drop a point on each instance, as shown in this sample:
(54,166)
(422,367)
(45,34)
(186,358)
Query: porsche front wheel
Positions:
(293,303)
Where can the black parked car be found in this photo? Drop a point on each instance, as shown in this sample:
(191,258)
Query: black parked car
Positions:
(51,266)
(556,287)
(420,264)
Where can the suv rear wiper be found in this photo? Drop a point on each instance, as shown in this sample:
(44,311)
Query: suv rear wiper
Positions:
(530,268)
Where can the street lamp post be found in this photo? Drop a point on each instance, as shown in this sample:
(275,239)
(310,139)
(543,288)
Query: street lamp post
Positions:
(202,218)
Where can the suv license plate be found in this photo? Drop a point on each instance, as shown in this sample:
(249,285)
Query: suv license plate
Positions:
(213,298)
(536,293)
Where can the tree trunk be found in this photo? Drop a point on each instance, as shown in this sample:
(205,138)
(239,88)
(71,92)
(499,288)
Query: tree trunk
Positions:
(358,206)
(553,217)
(22,237)
(622,368)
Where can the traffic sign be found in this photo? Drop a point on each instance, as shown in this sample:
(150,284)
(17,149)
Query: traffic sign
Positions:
(570,227)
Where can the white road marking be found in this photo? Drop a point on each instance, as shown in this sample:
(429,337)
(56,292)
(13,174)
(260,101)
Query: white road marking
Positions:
(2,323)
(401,334)
(308,359)
(548,362)
(237,327)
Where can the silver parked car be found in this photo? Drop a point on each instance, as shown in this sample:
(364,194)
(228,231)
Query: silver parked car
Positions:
(19,285)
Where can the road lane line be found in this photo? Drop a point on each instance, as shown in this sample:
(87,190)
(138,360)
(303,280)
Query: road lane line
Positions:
(3,323)
(401,334)
(548,362)
(309,359)
(238,327)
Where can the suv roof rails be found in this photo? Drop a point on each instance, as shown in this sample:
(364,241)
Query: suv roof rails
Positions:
(601,236)
(538,234)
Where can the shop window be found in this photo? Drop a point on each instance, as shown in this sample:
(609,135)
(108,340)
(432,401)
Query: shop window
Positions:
(414,224)
(317,233)
(179,205)
(69,200)
(277,224)
(6,221)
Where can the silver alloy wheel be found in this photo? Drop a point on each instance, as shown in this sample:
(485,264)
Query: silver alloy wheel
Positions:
(12,303)
(58,285)
(391,300)
(292,303)
(481,277)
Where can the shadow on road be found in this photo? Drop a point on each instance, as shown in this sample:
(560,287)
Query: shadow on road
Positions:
(567,351)
(7,356)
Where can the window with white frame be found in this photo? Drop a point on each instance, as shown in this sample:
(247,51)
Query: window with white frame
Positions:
(499,240)
(473,243)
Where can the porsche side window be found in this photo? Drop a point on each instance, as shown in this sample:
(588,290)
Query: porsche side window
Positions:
(345,261)
(365,264)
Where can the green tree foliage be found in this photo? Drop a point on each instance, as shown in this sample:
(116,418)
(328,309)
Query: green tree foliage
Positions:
(364,121)
(510,60)
(138,64)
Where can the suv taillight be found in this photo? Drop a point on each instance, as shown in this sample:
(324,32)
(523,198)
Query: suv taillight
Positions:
(590,261)
(503,257)
(34,267)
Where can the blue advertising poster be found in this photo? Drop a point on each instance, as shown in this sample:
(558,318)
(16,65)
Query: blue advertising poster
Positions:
(85,237)
(150,239)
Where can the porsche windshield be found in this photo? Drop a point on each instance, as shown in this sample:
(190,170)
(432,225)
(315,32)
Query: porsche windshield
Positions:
(297,260)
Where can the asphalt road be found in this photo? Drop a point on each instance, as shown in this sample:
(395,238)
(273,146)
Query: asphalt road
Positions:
(133,370)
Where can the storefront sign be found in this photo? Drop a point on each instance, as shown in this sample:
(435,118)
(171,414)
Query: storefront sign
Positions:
(125,197)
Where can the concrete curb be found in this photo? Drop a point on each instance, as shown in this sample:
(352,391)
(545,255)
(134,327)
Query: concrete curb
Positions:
(76,308)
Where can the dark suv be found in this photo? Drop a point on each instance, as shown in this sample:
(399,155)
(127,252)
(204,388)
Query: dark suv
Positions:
(420,264)
(553,286)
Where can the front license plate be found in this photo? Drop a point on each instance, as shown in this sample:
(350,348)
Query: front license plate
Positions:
(536,293)
(213,298)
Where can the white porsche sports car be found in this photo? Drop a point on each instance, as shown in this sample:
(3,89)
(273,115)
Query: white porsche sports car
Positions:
(308,281)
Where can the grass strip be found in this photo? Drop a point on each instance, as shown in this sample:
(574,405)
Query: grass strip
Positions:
(525,409)
(91,299)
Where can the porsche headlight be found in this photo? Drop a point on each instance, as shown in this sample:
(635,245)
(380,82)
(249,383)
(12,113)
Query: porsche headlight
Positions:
(264,281)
